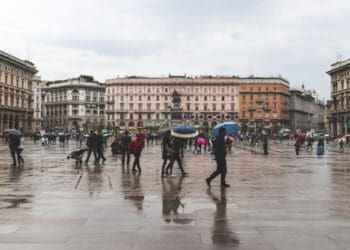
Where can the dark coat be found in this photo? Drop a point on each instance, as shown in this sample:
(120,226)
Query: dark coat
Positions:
(219,147)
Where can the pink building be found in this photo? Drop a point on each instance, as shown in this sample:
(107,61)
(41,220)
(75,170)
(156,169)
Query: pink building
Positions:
(134,101)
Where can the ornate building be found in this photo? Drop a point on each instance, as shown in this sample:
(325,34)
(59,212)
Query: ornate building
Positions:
(306,112)
(145,101)
(16,94)
(74,103)
(38,114)
(264,102)
(339,112)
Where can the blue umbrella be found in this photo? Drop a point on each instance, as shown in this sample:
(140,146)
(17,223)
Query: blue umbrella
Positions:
(184,131)
(231,128)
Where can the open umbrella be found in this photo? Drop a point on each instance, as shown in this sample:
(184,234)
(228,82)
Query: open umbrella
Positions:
(184,131)
(201,141)
(104,131)
(231,128)
(61,134)
(13,132)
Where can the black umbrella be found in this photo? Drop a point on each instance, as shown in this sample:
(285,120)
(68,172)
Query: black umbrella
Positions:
(13,132)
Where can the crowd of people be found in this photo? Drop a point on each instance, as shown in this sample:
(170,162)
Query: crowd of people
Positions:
(172,148)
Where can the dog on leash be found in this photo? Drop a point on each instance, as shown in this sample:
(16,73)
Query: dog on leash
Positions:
(77,156)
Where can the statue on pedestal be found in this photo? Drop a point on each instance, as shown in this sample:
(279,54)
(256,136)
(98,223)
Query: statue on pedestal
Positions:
(176,99)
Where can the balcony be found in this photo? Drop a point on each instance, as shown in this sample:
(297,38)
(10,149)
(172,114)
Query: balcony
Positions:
(110,101)
(259,100)
(251,108)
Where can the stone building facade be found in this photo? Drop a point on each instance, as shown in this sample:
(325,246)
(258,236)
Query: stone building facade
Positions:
(75,103)
(16,93)
(339,113)
(306,111)
(138,102)
(37,105)
(264,102)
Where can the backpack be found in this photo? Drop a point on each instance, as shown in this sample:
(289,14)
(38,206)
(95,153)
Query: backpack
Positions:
(131,147)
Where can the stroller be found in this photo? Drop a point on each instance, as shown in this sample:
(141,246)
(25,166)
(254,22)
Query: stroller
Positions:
(117,147)
(77,155)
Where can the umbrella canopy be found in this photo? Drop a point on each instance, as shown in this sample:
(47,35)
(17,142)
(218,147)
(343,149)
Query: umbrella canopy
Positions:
(104,131)
(184,131)
(105,135)
(201,141)
(13,132)
(231,128)
(61,134)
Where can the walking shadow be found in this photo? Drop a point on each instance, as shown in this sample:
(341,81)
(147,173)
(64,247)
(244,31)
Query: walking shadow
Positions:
(95,180)
(222,234)
(132,189)
(171,198)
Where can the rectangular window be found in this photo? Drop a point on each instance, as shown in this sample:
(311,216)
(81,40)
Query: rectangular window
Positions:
(222,98)
(222,107)
(205,98)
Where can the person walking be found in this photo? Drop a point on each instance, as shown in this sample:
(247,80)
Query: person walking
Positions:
(136,147)
(99,147)
(125,141)
(166,149)
(175,155)
(14,143)
(265,142)
(298,141)
(91,144)
(220,158)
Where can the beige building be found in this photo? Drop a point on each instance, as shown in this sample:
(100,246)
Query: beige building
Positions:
(339,113)
(75,103)
(16,93)
(134,102)
(37,105)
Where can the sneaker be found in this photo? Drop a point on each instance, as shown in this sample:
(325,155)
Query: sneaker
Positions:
(225,185)
(208,182)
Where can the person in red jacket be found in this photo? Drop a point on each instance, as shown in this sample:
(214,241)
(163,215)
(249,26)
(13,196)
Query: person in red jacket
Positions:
(135,148)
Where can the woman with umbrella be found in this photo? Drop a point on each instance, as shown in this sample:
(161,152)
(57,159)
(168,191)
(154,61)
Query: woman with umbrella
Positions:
(166,149)
(179,132)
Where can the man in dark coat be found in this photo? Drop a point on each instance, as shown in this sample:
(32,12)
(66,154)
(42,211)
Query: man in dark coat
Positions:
(91,144)
(125,140)
(14,142)
(220,158)
(99,147)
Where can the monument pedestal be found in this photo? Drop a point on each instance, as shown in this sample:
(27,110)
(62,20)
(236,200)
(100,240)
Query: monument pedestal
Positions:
(176,116)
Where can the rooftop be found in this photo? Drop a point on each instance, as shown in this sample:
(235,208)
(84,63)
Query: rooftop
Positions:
(22,63)
(338,66)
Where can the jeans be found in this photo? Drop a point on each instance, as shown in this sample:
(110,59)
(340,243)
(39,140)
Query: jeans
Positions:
(137,162)
(125,152)
(89,154)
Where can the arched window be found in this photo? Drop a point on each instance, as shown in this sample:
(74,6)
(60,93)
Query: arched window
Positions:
(75,95)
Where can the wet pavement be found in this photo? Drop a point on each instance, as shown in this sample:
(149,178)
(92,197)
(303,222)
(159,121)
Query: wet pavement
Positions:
(282,201)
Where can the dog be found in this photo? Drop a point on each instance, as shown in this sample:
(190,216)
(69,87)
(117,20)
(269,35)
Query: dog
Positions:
(77,155)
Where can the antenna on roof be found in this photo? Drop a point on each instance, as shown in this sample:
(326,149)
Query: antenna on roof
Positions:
(28,53)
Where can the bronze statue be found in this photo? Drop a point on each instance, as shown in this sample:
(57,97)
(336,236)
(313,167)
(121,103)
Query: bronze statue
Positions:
(176,99)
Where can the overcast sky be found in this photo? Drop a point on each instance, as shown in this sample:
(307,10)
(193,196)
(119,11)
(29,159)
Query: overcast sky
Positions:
(295,39)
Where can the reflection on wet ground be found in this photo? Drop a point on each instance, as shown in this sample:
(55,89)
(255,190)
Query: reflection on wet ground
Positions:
(278,202)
